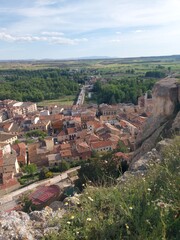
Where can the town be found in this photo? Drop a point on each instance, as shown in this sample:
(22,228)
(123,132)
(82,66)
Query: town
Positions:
(89,120)
(70,133)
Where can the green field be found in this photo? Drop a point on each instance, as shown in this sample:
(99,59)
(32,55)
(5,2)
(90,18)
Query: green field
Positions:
(51,82)
(66,100)
(111,63)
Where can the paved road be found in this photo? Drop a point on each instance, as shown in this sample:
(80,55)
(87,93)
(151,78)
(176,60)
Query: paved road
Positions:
(13,195)
(81,96)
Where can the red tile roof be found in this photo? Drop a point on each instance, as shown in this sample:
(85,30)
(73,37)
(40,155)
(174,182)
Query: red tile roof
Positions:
(44,193)
(82,147)
(101,144)
(91,138)
(71,130)
(95,124)
(65,146)
(66,153)
(62,133)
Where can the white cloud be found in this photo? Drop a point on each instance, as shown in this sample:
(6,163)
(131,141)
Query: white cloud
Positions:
(52,33)
(116,40)
(82,16)
(138,31)
(137,26)
(44,2)
(53,39)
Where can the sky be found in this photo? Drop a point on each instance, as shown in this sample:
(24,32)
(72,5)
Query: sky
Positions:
(61,29)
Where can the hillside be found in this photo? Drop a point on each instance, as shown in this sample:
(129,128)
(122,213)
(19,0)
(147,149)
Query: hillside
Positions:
(145,206)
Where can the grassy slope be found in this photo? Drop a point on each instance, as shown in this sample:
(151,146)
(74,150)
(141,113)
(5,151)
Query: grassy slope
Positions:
(143,208)
(66,100)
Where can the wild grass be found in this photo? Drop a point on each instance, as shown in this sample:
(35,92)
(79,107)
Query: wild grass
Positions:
(143,208)
(66,100)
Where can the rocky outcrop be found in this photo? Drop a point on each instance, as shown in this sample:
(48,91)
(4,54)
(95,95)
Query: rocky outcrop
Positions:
(22,226)
(18,225)
(165,118)
(141,166)
(165,97)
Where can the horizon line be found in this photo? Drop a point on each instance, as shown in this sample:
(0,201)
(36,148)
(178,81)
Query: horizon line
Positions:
(87,58)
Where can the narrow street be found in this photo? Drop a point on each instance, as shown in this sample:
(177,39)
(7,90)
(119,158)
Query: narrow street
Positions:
(9,200)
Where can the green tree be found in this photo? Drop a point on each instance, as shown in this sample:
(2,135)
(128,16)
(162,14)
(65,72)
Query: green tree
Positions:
(36,133)
(169,69)
(42,173)
(45,173)
(31,169)
(64,166)
(112,100)
(121,147)
(103,169)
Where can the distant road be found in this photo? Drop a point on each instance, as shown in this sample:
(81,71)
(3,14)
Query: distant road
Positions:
(80,100)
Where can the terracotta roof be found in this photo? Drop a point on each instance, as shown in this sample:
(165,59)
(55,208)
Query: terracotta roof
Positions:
(62,133)
(95,124)
(43,194)
(7,126)
(52,117)
(91,138)
(82,147)
(66,153)
(64,146)
(113,137)
(122,123)
(101,144)
(83,133)
(20,148)
(71,130)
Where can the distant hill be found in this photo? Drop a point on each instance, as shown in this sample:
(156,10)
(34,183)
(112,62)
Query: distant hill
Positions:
(115,59)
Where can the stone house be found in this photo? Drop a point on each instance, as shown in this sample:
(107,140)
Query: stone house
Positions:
(20,149)
(7,138)
(8,160)
(102,146)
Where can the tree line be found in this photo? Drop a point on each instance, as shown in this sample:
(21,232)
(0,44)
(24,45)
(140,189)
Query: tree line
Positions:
(126,90)
(35,86)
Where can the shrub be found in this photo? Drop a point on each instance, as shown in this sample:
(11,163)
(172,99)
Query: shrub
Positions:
(45,173)
(31,169)
(64,166)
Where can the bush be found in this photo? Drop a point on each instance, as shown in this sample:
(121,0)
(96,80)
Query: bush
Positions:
(101,169)
(45,173)
(30,169)
(155,74)
(49,174)
(36,133)
(64,166)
